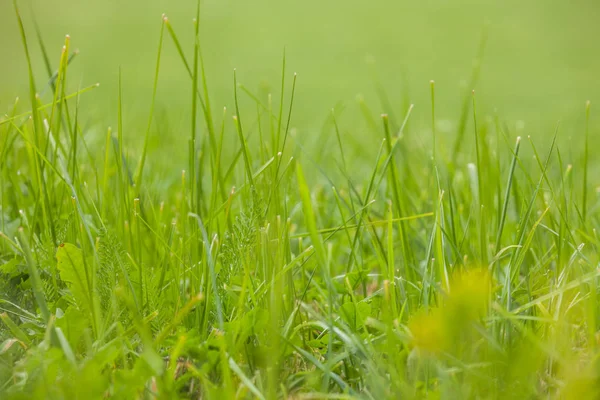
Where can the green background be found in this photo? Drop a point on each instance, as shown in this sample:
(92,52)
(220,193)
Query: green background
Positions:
(540,64)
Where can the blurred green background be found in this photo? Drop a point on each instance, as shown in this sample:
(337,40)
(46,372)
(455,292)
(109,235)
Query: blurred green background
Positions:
(540,65)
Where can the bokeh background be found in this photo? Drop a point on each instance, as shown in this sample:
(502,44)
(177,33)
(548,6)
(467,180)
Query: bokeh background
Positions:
(541,61)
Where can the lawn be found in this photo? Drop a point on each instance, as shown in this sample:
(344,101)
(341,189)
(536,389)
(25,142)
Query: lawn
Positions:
(350,200)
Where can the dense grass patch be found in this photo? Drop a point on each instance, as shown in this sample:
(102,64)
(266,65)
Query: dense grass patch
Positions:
(463,263)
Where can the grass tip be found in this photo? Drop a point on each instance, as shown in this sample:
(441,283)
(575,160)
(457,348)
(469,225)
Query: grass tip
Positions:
(518,139)
(279,154)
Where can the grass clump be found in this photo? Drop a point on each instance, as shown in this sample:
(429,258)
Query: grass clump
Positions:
(260,272)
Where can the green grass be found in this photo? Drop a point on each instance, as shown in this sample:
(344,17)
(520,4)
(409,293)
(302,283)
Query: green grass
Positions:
(396,261)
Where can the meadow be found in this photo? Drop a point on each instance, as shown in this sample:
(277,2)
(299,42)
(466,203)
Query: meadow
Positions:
(357,200)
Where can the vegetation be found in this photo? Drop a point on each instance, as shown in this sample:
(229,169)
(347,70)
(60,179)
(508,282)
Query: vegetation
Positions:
(463,263)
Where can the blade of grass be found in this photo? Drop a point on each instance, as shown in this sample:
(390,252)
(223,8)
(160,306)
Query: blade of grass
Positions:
(137,178)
